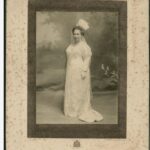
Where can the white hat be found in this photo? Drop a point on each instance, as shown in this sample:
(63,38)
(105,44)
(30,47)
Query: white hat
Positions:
(83,24)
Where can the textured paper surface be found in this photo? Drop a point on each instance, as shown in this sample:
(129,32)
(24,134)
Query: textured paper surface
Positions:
(16,85)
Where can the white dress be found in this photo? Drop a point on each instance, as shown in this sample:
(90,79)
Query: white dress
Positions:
(78,92)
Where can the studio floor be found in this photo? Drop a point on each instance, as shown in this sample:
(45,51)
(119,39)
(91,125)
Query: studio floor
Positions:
(49,108)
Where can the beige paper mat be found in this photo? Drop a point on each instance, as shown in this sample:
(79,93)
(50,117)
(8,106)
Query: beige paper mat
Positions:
(137,85)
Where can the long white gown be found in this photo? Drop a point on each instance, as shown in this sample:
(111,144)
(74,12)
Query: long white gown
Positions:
(78,93)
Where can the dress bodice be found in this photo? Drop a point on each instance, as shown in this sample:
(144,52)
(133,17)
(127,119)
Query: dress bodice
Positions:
(74,55)
(77,53)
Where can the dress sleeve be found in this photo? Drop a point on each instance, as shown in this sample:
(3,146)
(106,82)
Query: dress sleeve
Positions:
(86,57)
(67,51)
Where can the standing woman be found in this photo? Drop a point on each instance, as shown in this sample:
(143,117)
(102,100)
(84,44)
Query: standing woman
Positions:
(78,93)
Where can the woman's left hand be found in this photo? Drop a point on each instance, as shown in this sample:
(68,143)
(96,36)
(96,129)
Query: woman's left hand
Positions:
(83,74)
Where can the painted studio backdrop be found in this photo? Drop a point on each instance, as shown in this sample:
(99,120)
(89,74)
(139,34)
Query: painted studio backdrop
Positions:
(53,35)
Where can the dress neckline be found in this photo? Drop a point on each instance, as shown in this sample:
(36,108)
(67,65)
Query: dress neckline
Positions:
(74,45)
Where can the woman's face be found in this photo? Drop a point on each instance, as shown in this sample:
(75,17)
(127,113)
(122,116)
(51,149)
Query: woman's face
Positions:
(77,35)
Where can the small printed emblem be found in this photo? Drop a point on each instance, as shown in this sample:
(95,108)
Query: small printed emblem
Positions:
(76,143)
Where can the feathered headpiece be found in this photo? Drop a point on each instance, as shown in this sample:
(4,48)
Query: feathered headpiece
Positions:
(83,24)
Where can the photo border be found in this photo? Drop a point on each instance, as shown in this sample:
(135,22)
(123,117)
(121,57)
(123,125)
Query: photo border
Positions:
(77,130)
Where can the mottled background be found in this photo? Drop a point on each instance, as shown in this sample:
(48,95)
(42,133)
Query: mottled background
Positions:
(53,35)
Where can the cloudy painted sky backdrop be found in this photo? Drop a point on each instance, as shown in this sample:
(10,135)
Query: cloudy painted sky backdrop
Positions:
(53,35)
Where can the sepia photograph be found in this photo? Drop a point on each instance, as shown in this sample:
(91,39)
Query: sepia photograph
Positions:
(76,67)
(75,75)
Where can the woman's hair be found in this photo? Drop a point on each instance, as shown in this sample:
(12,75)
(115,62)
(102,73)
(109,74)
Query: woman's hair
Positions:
(78,28)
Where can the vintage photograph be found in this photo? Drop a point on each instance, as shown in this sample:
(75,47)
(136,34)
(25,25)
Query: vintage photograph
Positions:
(77,74)
(77,69)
